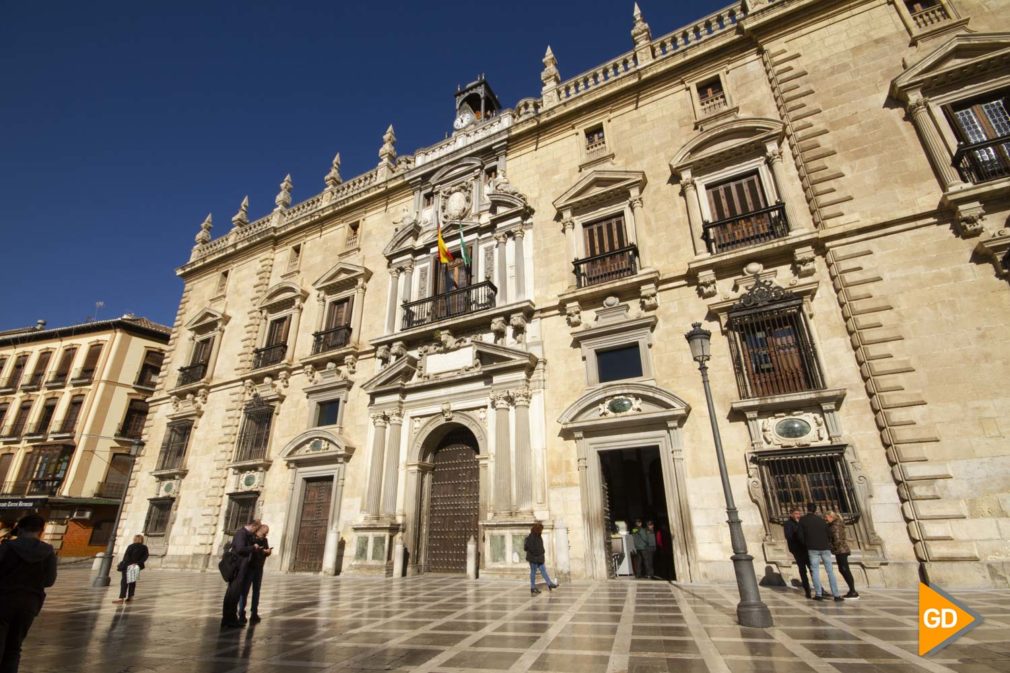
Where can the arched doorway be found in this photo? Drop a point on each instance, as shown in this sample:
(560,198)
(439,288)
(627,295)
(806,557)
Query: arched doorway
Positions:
(453,502)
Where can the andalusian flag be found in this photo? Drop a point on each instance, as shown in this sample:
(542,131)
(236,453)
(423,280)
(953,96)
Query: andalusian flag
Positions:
(462,247)
(444,256)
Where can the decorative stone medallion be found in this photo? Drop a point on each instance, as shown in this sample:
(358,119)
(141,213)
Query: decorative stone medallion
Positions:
(456,202)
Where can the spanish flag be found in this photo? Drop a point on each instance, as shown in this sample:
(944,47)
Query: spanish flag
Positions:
(444,256)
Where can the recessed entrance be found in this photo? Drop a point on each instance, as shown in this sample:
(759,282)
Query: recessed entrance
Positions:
(633,488)
(453,503)
(312,524)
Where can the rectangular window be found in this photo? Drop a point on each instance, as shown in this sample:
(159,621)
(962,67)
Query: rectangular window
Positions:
(595,139)
(4,406)
(158,514)
(45,468)
(327,412)
(41,426)
(173,448)
(773,353)
(5,467)
(21,420)
(201,351)
(222,282)
(614,364)
(353,229)
(457,273)
(116,478)
(608,255)
(59,377)
(87,371)
(3,362)
(133,422)
(711,96)
(39,372)
(255,434)
(277,331)
(794,478)
(17,371)
(294,257)
(241,510)
(150,369)
(338,313)
(69,424)
(735,197)
(983,129)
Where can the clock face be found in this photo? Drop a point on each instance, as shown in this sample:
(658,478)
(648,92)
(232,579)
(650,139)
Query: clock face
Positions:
(464,118)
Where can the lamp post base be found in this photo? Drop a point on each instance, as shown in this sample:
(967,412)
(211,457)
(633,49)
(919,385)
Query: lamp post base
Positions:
(754,615)
(102,578)
(100,582)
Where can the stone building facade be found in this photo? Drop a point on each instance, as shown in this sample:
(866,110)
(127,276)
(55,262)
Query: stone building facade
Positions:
(72,402)
(823,185)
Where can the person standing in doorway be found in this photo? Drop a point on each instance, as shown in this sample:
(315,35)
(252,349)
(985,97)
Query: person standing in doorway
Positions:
(27,569)
(645,545)
(254,578)
(243,544)
(636,559)
(129,568)
(840,548)
(814,533)
(536,557)
(794,539)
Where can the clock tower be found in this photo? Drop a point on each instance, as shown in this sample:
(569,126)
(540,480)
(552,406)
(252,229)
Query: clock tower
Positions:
(475,103)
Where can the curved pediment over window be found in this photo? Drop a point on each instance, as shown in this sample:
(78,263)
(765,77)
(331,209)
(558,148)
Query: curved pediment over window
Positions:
(600,187)
(403,239)
(282,294)
(207,318)
(727,142)
(317,446)
(618,404)
(342,277)
(464,167)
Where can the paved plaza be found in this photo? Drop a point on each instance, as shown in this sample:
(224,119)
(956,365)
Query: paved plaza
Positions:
(431,624)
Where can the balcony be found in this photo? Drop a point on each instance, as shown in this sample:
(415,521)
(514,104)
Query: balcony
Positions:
(743,231)
(449,305)
(57,380)
(38,431)
(191,374)
(83,376)
(34,382)
(984,161)
(10,384)
(930,16)
(35,487)
(330,339)
(64,427)
(714,103)
(111,489)
(609,266)
(12,432)
(269,355)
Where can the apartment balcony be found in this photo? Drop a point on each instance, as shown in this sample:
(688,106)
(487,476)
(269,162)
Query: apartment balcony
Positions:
(57,380)
(609,266)
(191,374)
(710,105)
(111,489)
(331,339)
(744,231)
(33,487)
(38,431)
(269,355)
(453,304)
(33,383)
(985,161)
(83,376)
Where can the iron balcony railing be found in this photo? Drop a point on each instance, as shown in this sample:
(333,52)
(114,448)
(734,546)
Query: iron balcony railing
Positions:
(57,380)
(745,230)
(606,267)
(191,374)
(13,431)
(111,489)
(46,487)
(269,355)
(64,427)
(448,305)
(83,376)
(984,161)
(34,381)
(40,429)
(330,339)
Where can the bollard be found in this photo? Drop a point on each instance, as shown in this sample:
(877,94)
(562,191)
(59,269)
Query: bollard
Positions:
(97,563)
(398,556)
(471,558)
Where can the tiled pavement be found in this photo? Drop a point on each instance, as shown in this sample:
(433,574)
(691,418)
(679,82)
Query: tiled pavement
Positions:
(432,624)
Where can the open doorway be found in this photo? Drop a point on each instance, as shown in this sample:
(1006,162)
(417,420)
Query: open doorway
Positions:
(633,488)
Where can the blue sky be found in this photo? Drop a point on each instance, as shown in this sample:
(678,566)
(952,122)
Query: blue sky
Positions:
(122,124)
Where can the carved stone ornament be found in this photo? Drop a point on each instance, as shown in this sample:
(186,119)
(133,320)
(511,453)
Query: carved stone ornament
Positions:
(518,323)
(203,236)
(970,222)
(573,314)
(241,218)
(398,349)
(620,404)
(804,261)
(500,399)
(283,198)
(649,297)
(707,287)
(310,373)
(447,411)
(445,342)
(522,396)
(382,353)
(764,292)
(499,327)
(785,430)
(456,202)
(351,363)
(502,185)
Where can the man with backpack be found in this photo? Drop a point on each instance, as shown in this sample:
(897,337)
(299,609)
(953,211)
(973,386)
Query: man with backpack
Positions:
(27,568)
(234,567)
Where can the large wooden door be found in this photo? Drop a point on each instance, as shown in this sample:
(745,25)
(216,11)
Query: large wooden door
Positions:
(312,524)
(453,509)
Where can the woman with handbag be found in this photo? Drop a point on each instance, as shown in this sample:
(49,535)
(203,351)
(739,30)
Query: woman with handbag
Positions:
(133,562)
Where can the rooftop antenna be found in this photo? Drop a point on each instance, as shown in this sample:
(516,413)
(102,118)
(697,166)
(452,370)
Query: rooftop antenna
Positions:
(98,305)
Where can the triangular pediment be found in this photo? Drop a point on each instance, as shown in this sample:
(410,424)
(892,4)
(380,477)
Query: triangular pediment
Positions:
(492,354)
(207,317)
(599,186)
(403,239)
(958,59)
(727,141)
(400,372)
(341,274)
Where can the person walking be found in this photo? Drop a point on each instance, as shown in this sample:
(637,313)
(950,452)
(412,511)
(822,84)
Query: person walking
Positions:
(129,568)
(242,545)
(815,536)
(535,556)
(794,540)
(840,548)
(27,569)
(254,578)
(645,545)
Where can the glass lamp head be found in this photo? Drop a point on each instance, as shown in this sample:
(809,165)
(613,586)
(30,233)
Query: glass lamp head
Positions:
(700,341)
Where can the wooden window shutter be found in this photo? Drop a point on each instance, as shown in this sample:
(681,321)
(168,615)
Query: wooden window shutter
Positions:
(338,314)
(201,351)
(66,361)
(43,362)
(91,359)
(736,197)
(604,236)
(277,332)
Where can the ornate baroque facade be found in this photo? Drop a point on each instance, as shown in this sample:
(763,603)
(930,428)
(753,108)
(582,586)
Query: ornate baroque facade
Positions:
(823,185)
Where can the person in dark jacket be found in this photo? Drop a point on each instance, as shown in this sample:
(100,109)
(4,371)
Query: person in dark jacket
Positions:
(535,555)
(136,554)
(27,568)
(254,578)
(243,544)
(815,536)
(840,548)
(645,546)
(796,547)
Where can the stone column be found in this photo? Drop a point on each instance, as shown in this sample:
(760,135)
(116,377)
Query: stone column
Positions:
(568,229)
(694,219)
(357,311)
(797,221)
(502,453)
(394,292)
(408,280)
(520,249)
(524,452)
(374,487)
(918,106)
(638,217)
(503,271)
(392,467)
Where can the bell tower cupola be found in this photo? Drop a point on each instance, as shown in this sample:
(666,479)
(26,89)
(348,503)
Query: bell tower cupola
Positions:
(475,102)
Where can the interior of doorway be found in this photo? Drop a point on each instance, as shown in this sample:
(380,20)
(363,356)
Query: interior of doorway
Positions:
(633,488)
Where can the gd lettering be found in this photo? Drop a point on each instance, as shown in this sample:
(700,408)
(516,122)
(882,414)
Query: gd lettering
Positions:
(934,618)
(942,620)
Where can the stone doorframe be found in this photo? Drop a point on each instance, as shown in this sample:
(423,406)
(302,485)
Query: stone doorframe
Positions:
(418,484)
(626,416)
(315,453)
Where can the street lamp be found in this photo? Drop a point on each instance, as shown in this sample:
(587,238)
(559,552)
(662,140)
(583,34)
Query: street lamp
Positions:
(102,578)
(750,611)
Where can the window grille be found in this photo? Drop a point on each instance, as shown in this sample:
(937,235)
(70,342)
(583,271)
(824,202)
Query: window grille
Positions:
(791,479)
(158,514)
(241,510)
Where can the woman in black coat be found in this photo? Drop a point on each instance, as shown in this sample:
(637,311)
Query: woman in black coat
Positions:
(535,555)
(136,554)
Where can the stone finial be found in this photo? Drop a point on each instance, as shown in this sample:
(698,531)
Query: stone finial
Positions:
(641,35)
(550,75)
(333,177)
(387,153)
(203,237)
(241,218)
(283,199)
